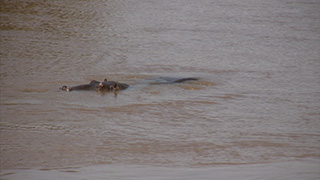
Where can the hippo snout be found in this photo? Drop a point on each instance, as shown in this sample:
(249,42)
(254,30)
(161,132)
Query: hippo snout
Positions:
(100,85)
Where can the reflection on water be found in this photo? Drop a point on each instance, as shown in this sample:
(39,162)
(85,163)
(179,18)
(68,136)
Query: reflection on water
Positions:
(257,99)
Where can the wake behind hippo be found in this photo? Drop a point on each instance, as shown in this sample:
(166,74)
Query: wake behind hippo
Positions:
(115,86)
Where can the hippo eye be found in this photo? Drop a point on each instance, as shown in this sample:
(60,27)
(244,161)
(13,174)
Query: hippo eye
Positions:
(116,85)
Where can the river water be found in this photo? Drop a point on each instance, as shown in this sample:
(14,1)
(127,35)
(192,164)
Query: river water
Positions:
(255,107)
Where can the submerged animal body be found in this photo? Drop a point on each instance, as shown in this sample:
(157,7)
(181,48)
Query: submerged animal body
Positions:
(170,80)
(115,86)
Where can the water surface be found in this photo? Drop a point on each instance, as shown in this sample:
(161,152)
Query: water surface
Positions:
(257,100)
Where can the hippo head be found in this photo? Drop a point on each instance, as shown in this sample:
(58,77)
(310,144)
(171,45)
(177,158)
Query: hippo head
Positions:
(65,88)
(108,86)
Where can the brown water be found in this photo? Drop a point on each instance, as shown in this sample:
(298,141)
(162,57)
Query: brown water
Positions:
(257,101)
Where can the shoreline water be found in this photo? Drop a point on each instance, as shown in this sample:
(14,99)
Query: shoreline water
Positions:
(294,170)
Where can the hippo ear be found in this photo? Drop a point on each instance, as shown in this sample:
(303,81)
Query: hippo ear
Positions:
(105,79)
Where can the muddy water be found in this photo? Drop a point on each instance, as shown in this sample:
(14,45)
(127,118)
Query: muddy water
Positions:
(257,100)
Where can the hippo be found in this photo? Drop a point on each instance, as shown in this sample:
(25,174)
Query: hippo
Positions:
(98,86)
(114,86)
